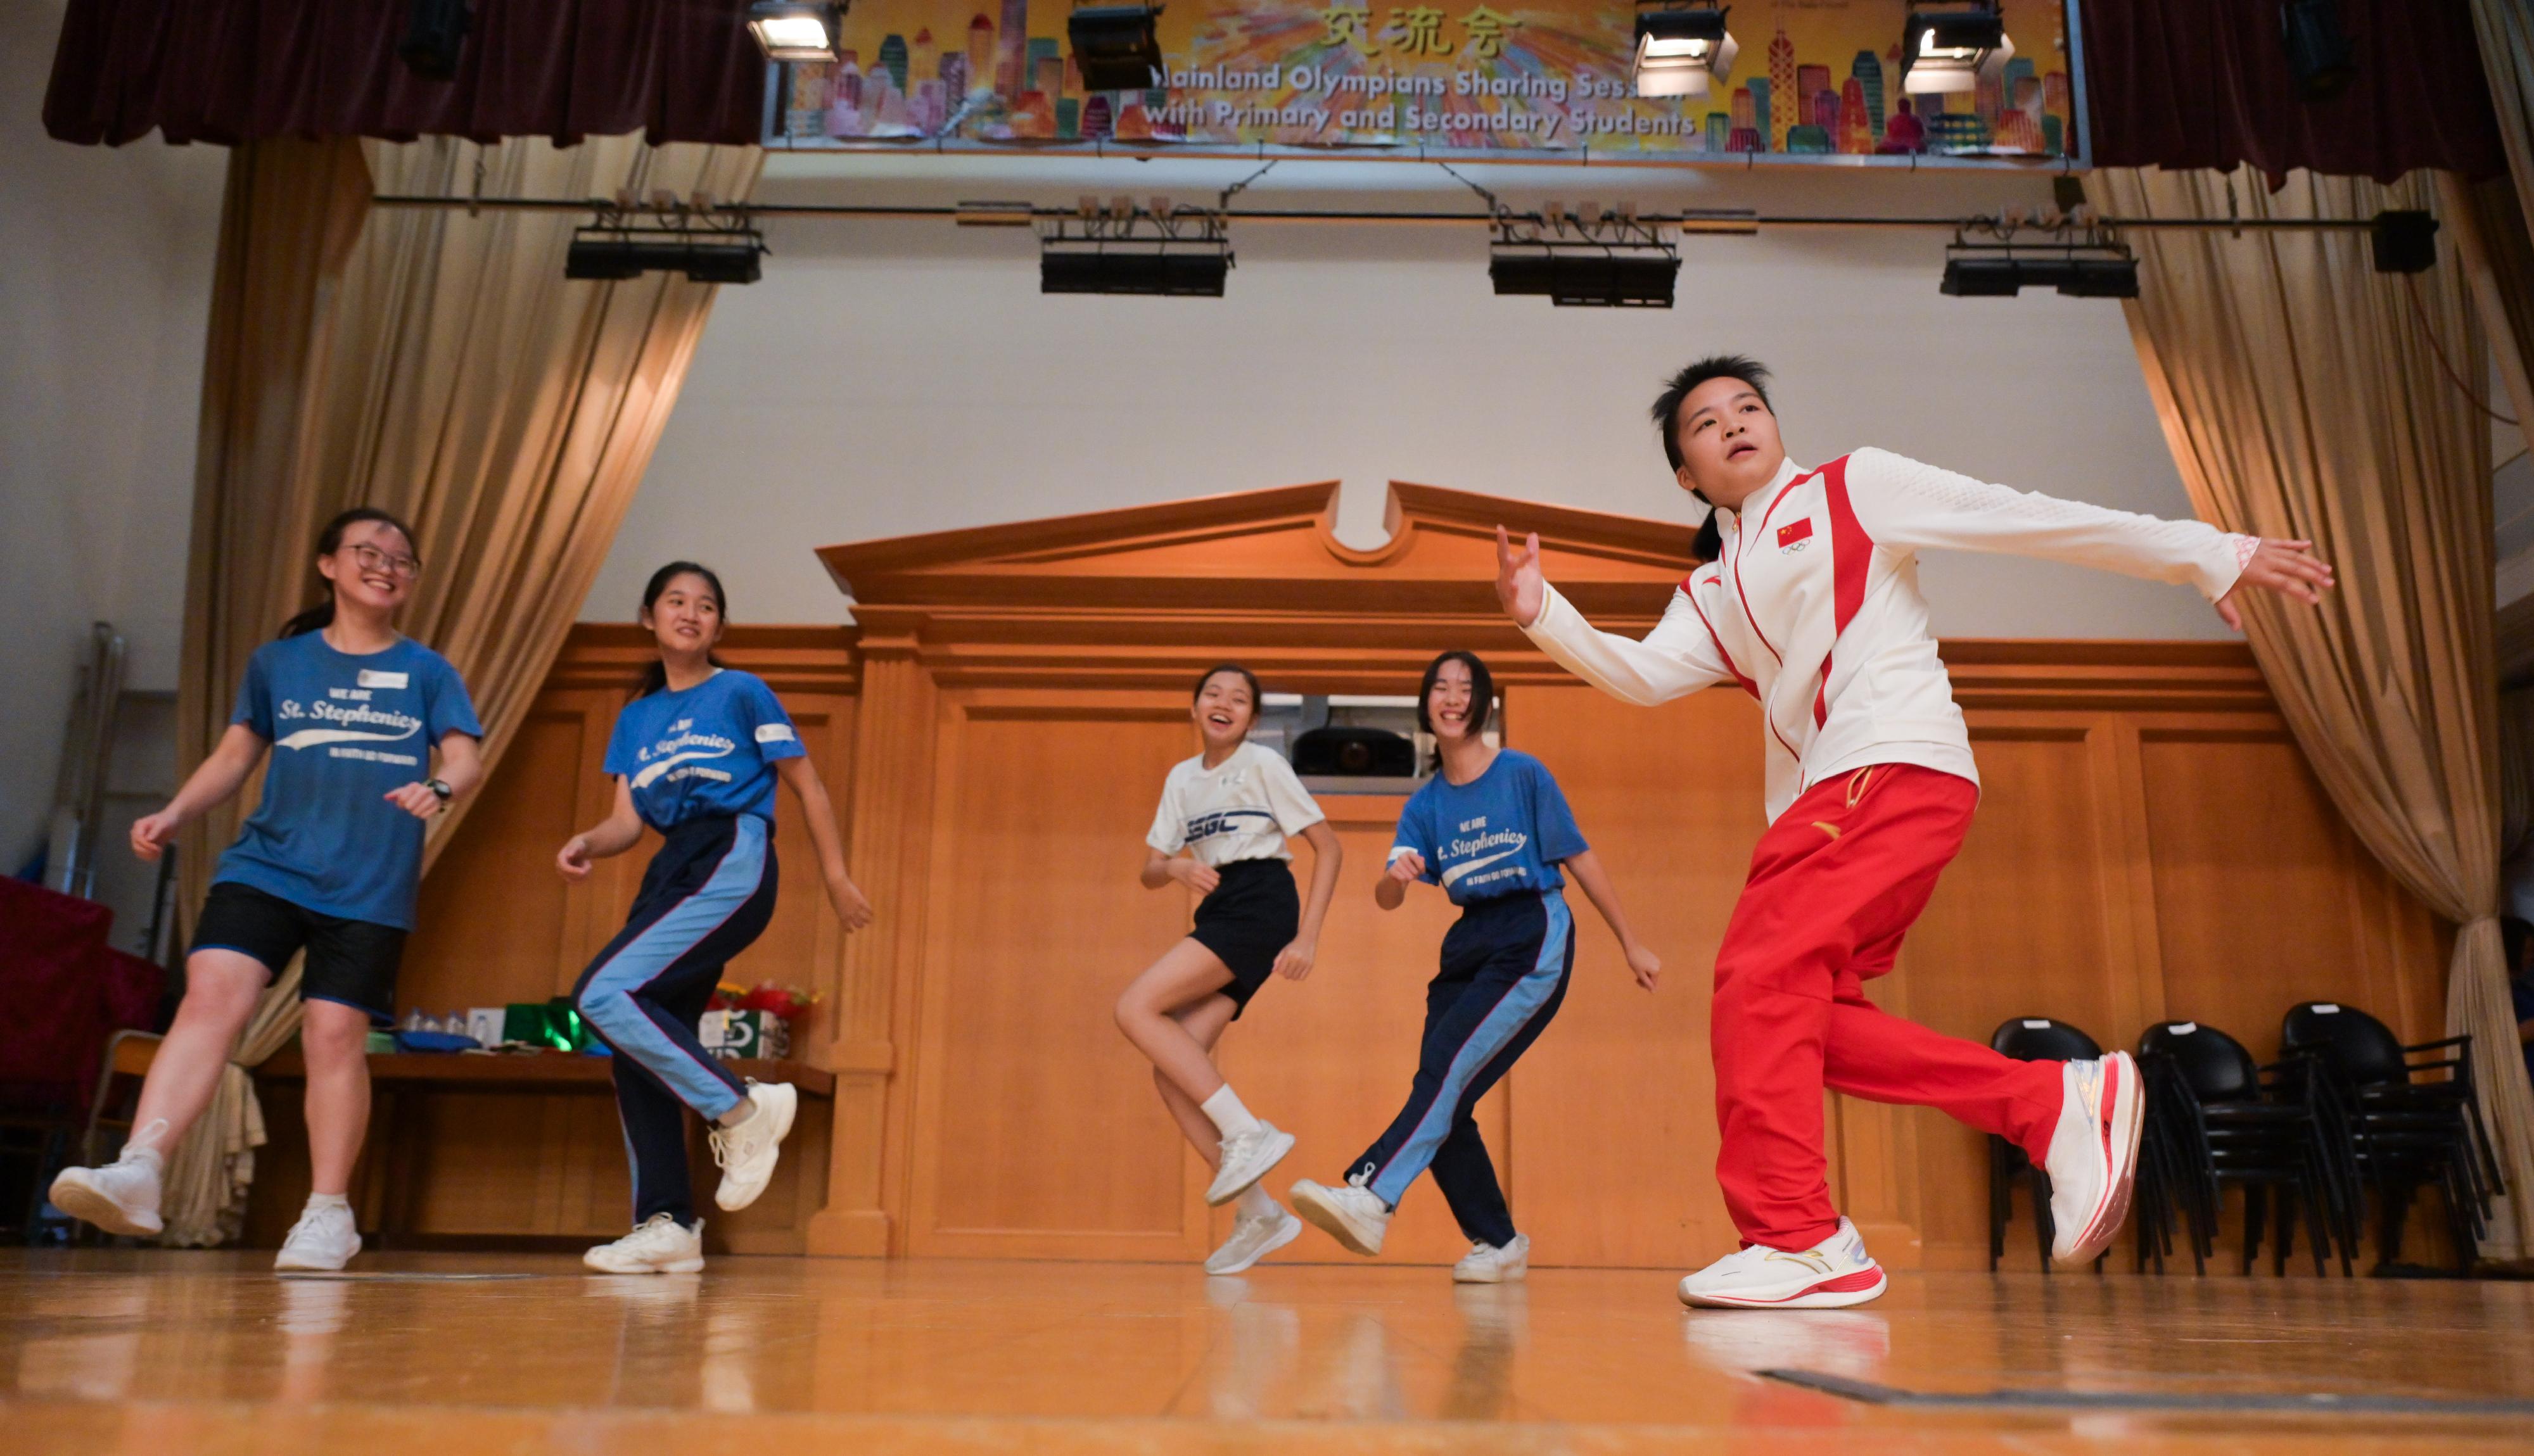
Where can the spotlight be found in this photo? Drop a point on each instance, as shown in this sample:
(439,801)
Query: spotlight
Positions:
(1116,47)
(1682,46)
(435,35)
(2406,242)
(792,30)
(1161,252)
(2317,48)
(2104,274)
(1582,279)
(609,251)
(1947,44)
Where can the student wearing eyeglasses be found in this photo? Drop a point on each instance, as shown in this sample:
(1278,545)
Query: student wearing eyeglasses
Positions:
(352,712)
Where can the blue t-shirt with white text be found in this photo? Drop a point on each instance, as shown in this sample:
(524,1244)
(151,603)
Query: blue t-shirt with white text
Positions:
(346,731)
(1500,834)
(707,750)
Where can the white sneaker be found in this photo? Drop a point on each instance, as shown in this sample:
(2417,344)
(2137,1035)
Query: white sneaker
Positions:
(1832,1274)
(1485,1263)
(1354,1215)
(323,1240)
(2093,1156)
(659,1245)
(121,1197)
(1253,1238)
(747,1154)
(1246,1159)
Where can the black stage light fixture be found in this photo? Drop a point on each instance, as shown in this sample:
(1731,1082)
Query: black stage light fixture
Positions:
(434,37)
(794,30)
(1116,47)
(1152,272)
(1586,278)
(2405,242)
(1947,44)
(1682,47)
(2318,54)
(2109,272)
(714,255)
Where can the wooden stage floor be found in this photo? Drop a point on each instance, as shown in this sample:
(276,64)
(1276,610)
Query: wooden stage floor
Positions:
(157,1352)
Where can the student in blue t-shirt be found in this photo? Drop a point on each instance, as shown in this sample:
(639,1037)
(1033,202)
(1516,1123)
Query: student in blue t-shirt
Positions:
(695,756)
(328,863)
(1493,828)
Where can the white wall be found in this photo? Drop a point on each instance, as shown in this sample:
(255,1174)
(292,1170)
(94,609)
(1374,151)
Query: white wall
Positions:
(893,376)
(103,301)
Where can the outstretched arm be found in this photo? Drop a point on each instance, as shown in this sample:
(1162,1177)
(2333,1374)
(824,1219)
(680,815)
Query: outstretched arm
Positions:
(1586,869)
(1906,504)
(218,777)
(1679,656)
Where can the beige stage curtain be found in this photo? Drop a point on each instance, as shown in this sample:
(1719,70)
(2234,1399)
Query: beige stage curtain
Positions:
(2506,28)
(2516,771)
(2302,396)
(439,365)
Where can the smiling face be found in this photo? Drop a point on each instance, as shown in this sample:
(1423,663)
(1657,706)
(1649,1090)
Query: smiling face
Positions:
(372,569)
(1728,441)
(1224,710)
(1449,703)
(685,618)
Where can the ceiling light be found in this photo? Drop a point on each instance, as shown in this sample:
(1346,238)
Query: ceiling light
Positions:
(1120,248)
(1116,47)
(2405,241)
(607,253)
(2109,272)
(435,36)
(791,30)
(2317,48)
(1948,44)
(1682,46)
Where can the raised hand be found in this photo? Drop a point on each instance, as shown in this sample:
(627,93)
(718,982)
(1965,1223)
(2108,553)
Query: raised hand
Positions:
(2287,567)
(1519,584)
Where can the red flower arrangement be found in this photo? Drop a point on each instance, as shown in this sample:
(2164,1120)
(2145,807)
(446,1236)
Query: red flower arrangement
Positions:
(790,1003)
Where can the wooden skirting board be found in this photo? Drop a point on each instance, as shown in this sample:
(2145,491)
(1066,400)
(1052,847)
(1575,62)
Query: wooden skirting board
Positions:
(994,728)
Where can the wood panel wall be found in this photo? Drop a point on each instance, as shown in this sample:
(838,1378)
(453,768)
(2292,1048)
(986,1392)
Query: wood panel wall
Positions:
(2150,844)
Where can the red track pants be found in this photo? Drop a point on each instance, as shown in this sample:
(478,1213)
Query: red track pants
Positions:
(1835,884)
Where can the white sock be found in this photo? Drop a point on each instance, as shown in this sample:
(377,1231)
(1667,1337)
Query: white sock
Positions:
(1256,1203)
(1231,1119)
(329,1200)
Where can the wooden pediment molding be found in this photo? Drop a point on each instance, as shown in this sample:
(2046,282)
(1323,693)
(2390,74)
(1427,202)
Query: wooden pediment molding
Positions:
(1271,549)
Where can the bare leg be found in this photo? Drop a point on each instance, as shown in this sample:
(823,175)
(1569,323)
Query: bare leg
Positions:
(1204,1024)
(221,988)
(334,1038)
(1186,974)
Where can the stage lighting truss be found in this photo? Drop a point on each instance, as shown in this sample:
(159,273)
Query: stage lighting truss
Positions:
(1121,247)
(1948,45)
(664,234)
(793,30)
(1682,47)
(2071,252)
(1584,258)
(1117,48)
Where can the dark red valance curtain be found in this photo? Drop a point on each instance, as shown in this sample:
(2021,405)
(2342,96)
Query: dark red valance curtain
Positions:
(2206,84)
(231,71)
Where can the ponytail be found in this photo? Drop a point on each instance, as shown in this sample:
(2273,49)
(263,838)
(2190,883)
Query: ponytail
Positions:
(655,673)
(329,541)
(1710,543)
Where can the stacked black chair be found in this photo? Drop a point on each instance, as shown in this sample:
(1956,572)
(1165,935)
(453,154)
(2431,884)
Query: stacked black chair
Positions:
(2027,1040)
(2399,1126)
(2213,1123)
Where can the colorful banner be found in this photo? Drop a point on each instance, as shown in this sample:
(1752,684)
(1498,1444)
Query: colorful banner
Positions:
(1815,81)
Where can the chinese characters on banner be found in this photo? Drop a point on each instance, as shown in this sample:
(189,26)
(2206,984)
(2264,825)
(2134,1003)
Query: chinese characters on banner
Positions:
(1815,80)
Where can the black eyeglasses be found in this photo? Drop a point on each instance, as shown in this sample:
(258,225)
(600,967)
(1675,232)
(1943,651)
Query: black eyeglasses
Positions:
(374,559)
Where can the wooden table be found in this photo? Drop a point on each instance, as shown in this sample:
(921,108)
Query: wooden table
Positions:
(401,1082)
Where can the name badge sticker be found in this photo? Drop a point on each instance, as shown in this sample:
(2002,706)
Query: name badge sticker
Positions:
(774,732)
(370,678)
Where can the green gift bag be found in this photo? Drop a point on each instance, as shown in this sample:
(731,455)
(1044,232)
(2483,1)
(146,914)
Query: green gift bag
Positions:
(547,1023)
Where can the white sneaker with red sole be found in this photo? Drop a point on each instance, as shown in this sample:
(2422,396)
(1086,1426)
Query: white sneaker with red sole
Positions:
(2093,1156)
(1831,1275)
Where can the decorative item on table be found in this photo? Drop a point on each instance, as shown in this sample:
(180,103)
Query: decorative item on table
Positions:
(754,1022)
(552,1024)
(421,1031)
(486,1024)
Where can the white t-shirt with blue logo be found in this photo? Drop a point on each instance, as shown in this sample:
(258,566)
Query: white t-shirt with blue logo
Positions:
(708,750)
(1500,834)
(1243,808)
(345,731)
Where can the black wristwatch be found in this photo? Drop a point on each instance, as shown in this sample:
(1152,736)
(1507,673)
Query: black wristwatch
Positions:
(440,791)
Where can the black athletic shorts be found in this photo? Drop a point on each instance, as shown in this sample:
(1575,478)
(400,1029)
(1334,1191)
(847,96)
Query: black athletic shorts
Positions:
(1253,913)
(354,961)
